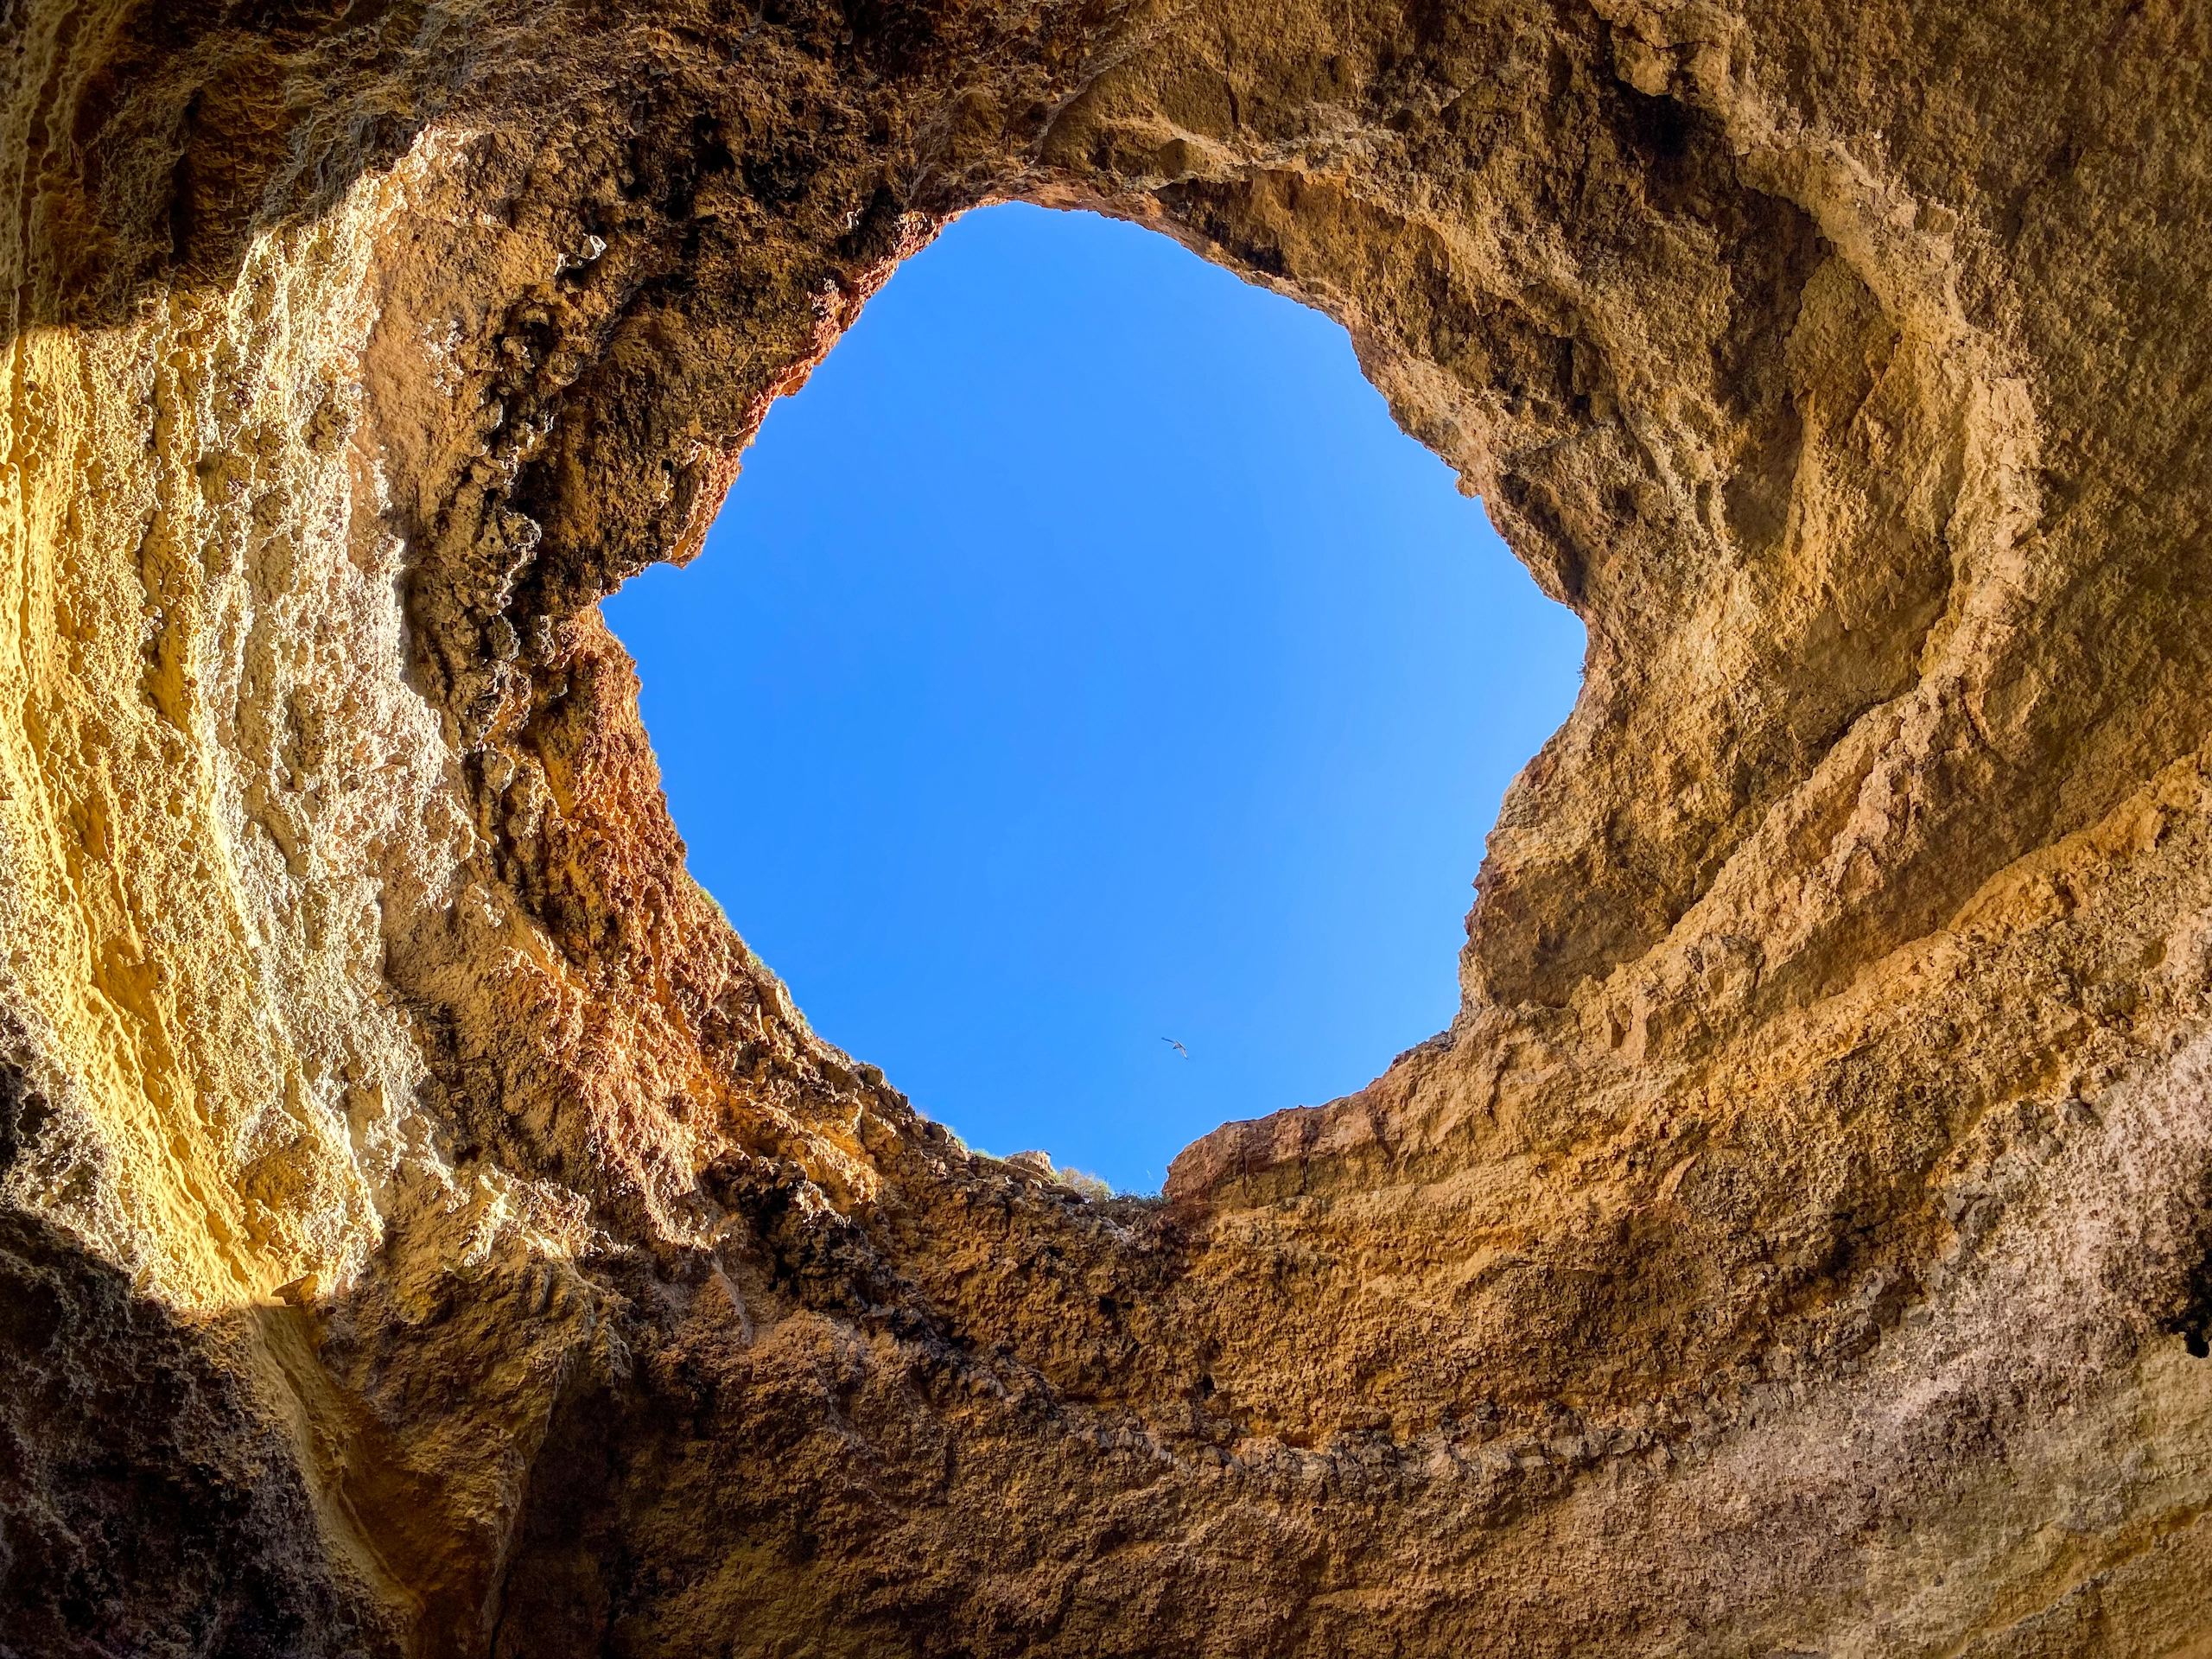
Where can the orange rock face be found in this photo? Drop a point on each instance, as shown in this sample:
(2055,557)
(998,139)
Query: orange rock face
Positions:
(426,1229)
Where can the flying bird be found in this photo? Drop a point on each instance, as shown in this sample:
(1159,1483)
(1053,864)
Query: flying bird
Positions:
(1177,1046)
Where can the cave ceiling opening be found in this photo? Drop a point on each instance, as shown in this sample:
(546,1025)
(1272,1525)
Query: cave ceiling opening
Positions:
(427,1229)
(1088,701)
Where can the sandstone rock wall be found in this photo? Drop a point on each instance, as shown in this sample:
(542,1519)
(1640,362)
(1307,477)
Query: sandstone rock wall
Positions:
(425,1226)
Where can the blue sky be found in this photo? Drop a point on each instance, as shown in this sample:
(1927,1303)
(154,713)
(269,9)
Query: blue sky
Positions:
(1085,659)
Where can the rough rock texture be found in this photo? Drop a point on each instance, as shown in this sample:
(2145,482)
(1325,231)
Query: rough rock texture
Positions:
(425,1228)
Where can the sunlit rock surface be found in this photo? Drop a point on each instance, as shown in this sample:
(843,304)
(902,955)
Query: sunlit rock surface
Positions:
(428,1230)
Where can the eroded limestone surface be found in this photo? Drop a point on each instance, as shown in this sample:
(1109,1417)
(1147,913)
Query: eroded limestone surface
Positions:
(425,1226)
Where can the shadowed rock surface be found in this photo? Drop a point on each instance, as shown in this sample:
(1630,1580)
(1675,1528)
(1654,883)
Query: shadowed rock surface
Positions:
(426,1229)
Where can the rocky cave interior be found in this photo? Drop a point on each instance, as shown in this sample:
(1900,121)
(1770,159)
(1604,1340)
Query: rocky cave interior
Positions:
(426,1228)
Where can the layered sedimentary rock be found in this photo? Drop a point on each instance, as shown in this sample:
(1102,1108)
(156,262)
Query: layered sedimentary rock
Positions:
(425,1228)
